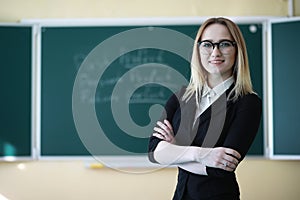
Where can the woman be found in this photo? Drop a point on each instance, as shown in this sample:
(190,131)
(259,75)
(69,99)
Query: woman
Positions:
(208,126)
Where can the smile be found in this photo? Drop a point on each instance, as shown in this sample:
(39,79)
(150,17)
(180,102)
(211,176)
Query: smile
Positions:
(216,61)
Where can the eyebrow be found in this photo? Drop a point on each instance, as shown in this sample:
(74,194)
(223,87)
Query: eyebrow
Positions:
(216,41)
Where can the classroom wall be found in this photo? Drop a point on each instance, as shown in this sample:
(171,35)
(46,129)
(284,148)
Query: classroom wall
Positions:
(15,10)
(34,180)
(297,7)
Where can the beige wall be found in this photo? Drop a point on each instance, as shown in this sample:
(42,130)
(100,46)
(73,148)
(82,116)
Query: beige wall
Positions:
(260,179)
(43,180)
(297,7)
(14,10)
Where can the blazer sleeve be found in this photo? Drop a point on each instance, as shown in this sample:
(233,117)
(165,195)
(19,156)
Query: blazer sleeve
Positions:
(170,108)
(242,129)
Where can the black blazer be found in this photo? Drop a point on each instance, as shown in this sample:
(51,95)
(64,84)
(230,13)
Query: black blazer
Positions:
(225,123)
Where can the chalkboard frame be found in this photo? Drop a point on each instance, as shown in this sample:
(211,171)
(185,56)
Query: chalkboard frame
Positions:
(138,160)
(271,147)
(33,97)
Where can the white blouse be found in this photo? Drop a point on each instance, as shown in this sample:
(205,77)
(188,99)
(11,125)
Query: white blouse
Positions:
(210,95)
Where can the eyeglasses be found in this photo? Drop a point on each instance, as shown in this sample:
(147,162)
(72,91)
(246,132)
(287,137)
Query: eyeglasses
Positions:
(225,46)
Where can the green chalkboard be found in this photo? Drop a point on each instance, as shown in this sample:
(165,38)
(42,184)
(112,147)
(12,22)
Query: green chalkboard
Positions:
(77,64)
(253,34)
(286,98)
(15,87)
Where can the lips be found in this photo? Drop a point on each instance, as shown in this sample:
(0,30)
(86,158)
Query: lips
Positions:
(216,61)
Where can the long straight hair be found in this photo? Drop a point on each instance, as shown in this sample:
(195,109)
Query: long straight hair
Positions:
(241,72)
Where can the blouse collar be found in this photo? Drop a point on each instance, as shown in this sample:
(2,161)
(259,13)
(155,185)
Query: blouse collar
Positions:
(219,89)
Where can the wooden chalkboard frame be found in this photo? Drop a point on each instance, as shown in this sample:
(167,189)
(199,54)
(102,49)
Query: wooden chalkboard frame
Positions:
(271,147)
(33,97)
(117,160)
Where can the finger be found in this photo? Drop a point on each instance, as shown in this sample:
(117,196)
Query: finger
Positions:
(170,133)
(161,131)
(231,159)
(158,136)
(161,125)
(227,166)
(162,137)
(164,127)
(166,135)
(168,124)
(230,165)
(233,153)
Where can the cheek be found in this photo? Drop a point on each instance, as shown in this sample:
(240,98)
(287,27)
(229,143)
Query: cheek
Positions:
(203,60)
(231,60)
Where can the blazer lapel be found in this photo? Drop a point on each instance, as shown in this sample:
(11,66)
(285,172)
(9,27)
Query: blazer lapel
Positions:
(222,100)
(185,134)
(187,130)
(216,115)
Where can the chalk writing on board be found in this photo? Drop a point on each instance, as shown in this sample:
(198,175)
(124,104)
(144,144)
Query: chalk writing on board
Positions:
(141,56)
(127,62)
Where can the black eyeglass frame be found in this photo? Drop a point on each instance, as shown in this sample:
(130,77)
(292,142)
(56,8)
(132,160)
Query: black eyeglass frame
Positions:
(214,44)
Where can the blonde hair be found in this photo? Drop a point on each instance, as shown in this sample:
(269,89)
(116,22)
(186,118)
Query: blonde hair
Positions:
(241,72)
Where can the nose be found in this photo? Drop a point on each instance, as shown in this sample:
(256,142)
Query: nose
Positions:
(216,51)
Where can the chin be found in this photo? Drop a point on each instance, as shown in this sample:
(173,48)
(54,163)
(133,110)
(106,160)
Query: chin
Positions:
(215,71)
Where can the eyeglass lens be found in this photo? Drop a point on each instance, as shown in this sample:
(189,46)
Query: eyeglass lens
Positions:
(225,46)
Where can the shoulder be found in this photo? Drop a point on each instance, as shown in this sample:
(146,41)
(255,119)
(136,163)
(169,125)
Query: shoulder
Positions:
(176,98)
(249,101)
(178,94)
(181,92)
(251,97)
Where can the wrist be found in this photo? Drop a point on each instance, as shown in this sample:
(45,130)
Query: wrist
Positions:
(196,154)
(200,153)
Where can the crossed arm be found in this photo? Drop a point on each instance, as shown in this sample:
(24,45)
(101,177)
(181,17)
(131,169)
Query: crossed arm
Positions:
(191,158)
(241,133)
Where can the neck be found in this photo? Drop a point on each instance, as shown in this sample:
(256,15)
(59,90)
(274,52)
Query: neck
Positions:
(215,79)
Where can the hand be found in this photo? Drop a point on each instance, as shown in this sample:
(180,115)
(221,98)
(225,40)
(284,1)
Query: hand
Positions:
(220,157)
(164,131)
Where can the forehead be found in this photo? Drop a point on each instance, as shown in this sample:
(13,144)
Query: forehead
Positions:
(216,32)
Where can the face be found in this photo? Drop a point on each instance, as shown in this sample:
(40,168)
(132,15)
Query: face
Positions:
(218,62)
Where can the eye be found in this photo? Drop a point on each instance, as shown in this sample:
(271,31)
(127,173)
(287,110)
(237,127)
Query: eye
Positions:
(206,44)
(225,44)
